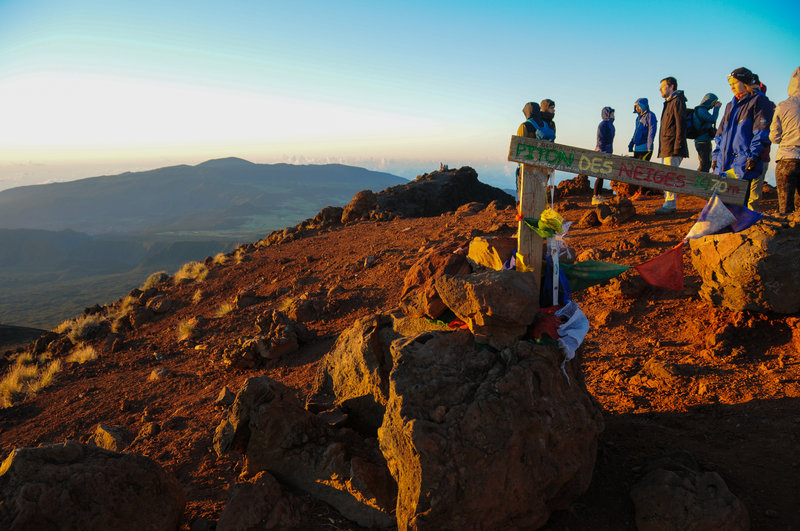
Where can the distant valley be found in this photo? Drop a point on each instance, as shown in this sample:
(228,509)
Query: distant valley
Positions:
(66,246)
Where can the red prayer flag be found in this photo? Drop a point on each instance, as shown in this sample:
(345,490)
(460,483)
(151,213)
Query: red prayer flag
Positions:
(665,270)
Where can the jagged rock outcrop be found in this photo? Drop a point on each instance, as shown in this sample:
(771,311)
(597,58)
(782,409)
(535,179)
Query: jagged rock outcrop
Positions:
(675,494)
(280,335)
(259,503)
(438,192)
(270,427)
(360,206)
(479,439)
(755,269)
(578,185)
(73,486)
(498,306)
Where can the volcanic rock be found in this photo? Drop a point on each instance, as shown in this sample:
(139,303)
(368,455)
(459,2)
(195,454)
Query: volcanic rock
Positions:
(676,495)
(498,306)
(755,269)
(269,426)
(355,373)
(578,185)
(360,206)
(73,486)
(478,439)
(438,192)
(259,503)
(419,298)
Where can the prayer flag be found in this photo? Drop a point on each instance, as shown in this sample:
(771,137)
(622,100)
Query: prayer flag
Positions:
(665,270)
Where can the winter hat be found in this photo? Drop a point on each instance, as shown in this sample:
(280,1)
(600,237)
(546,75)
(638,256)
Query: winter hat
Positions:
(742,74)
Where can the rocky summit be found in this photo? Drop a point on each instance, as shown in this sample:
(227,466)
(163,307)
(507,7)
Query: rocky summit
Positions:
(372,368)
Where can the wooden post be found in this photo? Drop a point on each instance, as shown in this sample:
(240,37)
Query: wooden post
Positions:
(533,199)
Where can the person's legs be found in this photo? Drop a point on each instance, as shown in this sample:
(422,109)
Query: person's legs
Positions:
(782,184)
(669,205)
(704,153)
(756,189)
(642,190)
(598,187)
(787,174)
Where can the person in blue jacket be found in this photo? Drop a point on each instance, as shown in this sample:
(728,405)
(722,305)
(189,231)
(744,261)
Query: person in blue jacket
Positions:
(743,132)
(705,116)
(605,141)
(644,134)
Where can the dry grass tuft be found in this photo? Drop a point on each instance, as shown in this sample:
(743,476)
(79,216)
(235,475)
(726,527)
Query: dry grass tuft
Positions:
(187,329)
(154,280)
(224,309)
(198,296)
(82,354)
(196,271)
(221,259)
(26,378)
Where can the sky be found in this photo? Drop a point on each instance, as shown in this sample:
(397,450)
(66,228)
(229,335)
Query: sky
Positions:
(100,87)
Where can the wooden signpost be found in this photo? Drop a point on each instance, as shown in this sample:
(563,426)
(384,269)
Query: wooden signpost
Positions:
(540,158)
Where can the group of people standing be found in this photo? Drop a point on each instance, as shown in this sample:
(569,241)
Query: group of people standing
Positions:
(741,143)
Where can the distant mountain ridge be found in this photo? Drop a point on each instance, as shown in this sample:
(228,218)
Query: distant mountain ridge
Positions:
(229,194)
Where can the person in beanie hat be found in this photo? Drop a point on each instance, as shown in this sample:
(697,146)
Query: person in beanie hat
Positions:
(785,131)
(644,135)
(548,113)
(605,140)
(705,116)
(672,147)
(743,133)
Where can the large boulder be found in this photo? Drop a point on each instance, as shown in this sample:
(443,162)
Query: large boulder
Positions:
(355,373)
(755,269)
(419,297)
(73,486)
(479,439)
(275,433)
(360,206)
(438,192)
(498,306)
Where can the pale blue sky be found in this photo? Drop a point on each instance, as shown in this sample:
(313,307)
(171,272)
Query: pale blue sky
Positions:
(90,87)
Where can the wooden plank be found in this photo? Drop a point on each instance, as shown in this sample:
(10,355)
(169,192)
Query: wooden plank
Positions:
(532,203)
(626,169)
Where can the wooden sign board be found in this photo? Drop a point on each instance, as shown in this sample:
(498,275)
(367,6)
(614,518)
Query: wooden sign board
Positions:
(626,169)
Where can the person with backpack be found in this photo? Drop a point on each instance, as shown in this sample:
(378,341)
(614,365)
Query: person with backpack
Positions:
(533,127)
(605,141)
(704,120)
(672,147)
(785,131)
(548,113)
(743,132)
(644,134)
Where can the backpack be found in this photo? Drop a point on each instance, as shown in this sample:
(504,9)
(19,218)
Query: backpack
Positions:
(694,128)
(542,133)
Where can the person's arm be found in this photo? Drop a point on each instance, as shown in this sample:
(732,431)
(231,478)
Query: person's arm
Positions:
(680,125)
(652,125)
(762,119)
(776,129)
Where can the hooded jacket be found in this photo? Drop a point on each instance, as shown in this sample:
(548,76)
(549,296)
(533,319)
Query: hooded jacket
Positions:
(705,116)
(606,131)
(672,140)
(548,114)
(743,134)
(535,126)
(785,128)
(645,131)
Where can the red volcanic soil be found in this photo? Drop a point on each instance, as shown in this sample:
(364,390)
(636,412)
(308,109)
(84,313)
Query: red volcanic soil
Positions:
(736,410)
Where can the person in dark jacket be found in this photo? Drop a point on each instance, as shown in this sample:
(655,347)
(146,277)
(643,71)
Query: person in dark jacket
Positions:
(743,132)
(705,117)
(534,126)
(672,147)
(757,184)
(605,141)
(548,113)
